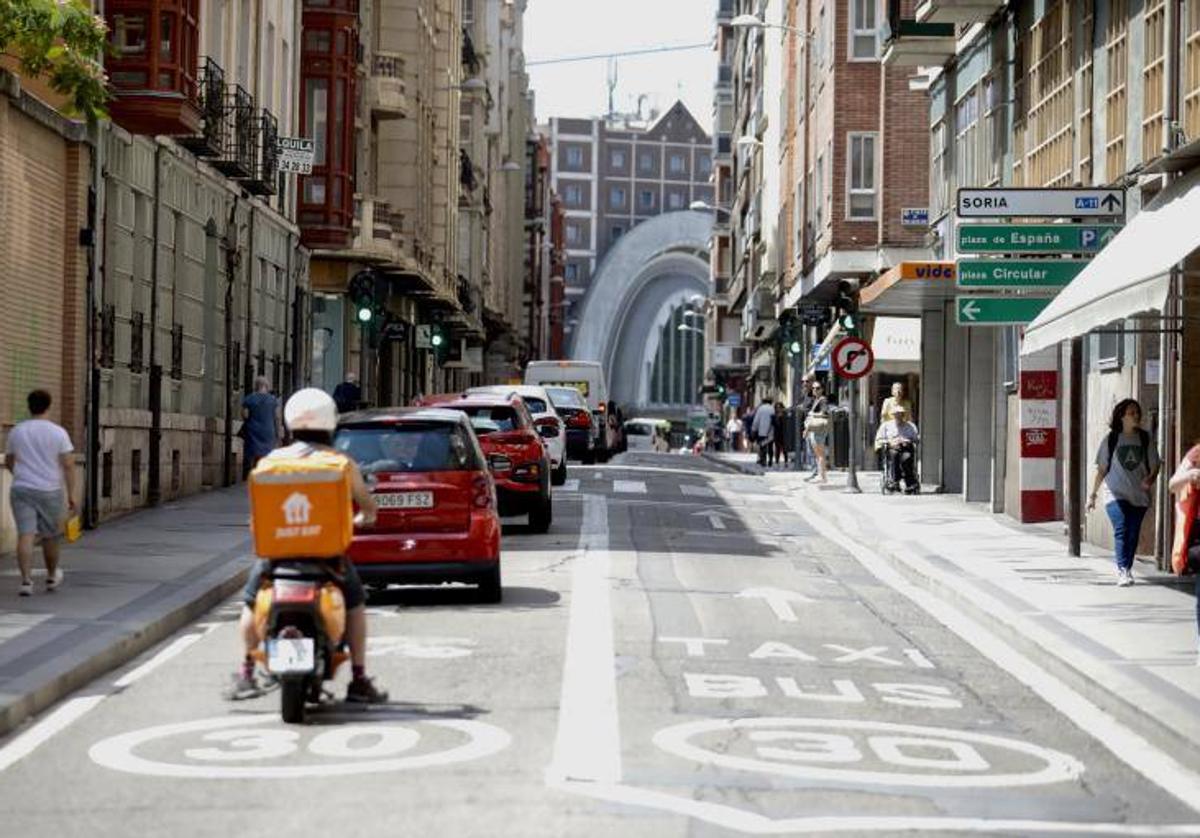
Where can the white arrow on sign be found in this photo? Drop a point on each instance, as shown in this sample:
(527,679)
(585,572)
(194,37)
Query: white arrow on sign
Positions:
(715,517)
(970,310)
(779,600)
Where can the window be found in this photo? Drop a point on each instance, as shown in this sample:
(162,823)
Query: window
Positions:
(864,30)
(677,164)
(646,199)
(820,46)
(464,131)
(617,233)
(572,234)
(571,273)
(575,157)
(939,182)
(989,137)
(645,162)
(860,202)
(966,139)
(675,201)
(573,195)
(1109,343)
(616,158)
(704,165)
(616,197)
(819,195)
(468,12)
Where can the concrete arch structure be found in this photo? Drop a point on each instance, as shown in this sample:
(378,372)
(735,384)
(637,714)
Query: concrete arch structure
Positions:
(651,271)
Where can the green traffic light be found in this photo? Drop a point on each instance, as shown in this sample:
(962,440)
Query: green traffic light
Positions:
(848,322)
(365,314)
(794,347)
(437,340)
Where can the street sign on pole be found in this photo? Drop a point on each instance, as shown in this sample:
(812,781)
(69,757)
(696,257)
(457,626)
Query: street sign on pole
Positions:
(1040,203)
(424,336)
(998,311)
(734,400)
(852,358)
(295,154)
(1018,273)
(1034,238)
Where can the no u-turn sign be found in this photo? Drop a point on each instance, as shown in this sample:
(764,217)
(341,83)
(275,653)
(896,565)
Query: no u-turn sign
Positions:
(852,358)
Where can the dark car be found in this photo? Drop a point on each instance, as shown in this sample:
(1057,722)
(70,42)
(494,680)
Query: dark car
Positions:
(438,514)
(577,416)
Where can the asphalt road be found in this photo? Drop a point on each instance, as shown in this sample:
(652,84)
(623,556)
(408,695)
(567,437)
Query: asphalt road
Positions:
(684,654)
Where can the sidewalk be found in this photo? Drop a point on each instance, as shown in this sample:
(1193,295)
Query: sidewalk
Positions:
(1132,651)
(129,584)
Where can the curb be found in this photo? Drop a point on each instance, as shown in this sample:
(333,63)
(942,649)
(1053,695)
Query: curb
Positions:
(1138,719)
(121,645)
(739,468)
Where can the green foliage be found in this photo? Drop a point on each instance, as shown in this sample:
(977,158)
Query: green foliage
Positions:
(61,42)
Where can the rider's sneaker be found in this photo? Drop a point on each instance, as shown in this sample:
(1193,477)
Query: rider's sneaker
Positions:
(243,687)
(363,691)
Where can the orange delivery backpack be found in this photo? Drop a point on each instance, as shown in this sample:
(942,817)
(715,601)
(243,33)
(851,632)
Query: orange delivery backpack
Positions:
(301,504)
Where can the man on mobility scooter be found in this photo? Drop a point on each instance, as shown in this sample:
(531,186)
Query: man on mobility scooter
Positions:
(896,442)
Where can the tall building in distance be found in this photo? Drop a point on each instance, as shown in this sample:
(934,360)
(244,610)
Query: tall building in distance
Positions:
(613,174)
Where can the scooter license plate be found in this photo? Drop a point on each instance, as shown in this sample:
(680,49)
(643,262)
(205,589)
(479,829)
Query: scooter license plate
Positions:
(291,654)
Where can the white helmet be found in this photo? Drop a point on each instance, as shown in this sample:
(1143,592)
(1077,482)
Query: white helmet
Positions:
(311,409)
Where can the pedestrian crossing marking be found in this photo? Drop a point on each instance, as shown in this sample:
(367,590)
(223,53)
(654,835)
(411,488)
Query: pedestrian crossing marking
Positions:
(571,485)
(697,491)
(629,487)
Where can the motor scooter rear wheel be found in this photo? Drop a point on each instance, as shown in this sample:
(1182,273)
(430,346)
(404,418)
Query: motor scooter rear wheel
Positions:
(293,695)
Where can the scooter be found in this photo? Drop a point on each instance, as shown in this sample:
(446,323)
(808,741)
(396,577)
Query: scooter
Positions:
(301,614)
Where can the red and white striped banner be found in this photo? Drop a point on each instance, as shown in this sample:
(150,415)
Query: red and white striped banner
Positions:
(1039,437)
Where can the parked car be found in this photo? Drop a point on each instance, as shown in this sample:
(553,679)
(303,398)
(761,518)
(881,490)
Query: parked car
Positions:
(515,451)
(642,435)
(588,378)
(550,426)
(577,417)
(438,514)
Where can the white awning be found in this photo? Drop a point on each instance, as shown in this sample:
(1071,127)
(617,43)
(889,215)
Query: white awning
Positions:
(1131,275)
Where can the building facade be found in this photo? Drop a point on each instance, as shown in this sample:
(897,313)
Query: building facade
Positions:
(612,174)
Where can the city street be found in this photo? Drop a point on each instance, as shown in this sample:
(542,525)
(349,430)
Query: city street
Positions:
(689,651)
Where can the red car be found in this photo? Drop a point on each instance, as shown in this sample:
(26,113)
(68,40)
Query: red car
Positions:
(438,517)
(515,452)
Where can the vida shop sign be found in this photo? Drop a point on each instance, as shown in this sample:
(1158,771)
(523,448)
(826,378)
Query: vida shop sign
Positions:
(945,271)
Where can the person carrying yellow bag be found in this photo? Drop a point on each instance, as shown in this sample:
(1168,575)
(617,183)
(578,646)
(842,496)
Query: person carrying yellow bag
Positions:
(1185,551)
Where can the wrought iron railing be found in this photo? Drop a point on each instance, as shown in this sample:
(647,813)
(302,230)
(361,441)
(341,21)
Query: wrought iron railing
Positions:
(261,180)
(237,157)
(210,142)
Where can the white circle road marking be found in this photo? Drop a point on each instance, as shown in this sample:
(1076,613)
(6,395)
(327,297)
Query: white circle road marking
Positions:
(1056,766)
(117,752)
(430,648)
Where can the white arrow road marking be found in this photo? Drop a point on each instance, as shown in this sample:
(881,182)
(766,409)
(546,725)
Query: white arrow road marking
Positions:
(629,487)
(716,518)
(587,747)
(779,601)
(970,310)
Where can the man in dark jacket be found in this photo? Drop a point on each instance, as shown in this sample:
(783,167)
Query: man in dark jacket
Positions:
(348,395)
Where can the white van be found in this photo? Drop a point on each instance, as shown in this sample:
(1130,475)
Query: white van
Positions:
(588,378)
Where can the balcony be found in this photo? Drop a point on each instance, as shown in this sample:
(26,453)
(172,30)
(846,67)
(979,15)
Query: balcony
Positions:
(957,12)
(262,179)
(238,158)
(151,62)
(210,140)
(386,92)
(912,43)
(376,229)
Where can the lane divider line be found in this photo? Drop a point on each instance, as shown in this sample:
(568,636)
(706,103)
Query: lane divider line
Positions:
(59,719)
(164,655)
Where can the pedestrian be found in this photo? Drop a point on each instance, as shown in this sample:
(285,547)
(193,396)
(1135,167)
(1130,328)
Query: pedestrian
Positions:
(896,399)
(1127,465)
(262,427)
(733,432)
(748,427)
(897,440)
(348,395)
(779,421)
(39,455)
(1185,552)
(806,403)
(816,426)
(763,426)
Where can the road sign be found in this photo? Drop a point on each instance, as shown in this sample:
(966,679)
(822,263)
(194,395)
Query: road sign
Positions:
(295,154)
(424,336)
(734,400)
(998,311)
(1018,273)
(1034,238)
(914,217)
(814,314)
(852,358)
(1041,203)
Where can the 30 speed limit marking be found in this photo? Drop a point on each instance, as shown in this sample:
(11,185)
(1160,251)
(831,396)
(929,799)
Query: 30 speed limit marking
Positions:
(852,358)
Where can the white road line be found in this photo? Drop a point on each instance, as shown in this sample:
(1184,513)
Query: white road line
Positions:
(629,487)
(571,485)
(697,491)
(25,744)
(587,747)
(1125,744)
(158,660)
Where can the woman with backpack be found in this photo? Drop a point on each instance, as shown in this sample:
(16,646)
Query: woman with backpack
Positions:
(1127,465)
(1185,552)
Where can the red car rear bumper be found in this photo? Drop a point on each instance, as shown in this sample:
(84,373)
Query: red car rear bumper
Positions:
(403,557)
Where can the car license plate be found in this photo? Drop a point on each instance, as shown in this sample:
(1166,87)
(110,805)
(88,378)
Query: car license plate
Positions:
(405,500)
(291,654)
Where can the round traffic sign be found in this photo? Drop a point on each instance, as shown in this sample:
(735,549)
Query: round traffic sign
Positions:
(852,358)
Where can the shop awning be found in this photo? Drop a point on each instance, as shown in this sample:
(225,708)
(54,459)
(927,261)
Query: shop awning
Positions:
(1131,275)
(909,288)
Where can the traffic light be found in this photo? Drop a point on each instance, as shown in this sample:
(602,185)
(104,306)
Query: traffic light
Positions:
(362,293)
(847,306)
(439,340)
(794,347)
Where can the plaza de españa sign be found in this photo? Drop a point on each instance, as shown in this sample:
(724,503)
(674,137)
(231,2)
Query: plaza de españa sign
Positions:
(1040,203)
(1034,238)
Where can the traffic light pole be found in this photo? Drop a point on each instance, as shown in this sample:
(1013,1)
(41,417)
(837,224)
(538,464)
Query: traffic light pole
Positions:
(797,398)
(852,486)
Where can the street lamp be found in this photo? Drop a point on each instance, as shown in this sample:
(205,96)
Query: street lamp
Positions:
(747,141)
(508,166)
(754,22)
(701,206)
(683,327)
